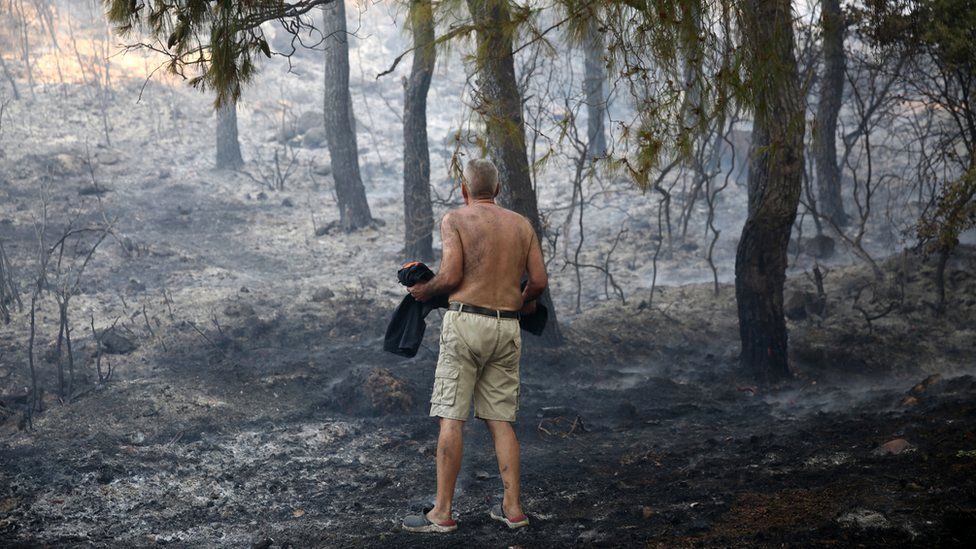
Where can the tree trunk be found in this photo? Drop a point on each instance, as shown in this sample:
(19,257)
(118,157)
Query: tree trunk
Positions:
(339,130)
(10,78)
(228,146)
(418,214)
(594,79)
(497,101)
(775,170)
(829,202)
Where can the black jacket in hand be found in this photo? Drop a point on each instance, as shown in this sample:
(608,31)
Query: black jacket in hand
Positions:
(406,329)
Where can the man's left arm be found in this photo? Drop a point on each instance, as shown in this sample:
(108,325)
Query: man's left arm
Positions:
(449,275)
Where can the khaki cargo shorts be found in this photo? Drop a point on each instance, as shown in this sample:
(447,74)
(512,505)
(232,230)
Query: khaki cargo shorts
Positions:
(479,360)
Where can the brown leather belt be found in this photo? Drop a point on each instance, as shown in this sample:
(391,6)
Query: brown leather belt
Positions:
(465,308)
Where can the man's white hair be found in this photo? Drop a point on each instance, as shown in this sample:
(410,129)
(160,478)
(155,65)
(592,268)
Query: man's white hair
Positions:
(481,178)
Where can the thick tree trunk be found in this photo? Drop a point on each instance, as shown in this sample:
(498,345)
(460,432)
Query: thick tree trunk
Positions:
(775,169)
(339,130)
(594,80)
(418,215)
(228,146)
(498,102)
(829,201)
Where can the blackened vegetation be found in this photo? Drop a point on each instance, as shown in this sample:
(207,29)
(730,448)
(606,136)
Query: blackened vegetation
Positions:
(259,425)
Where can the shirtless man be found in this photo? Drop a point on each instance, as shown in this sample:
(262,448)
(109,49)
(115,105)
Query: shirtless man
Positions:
(487,249)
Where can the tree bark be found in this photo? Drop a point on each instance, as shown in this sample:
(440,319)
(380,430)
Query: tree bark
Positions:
(340,132)
(775,170)
(228,146)
(498,103)
(418,214)
(594,79)
(829,202)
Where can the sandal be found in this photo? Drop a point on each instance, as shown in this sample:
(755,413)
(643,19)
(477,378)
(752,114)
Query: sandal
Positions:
(420,523)
(498,513)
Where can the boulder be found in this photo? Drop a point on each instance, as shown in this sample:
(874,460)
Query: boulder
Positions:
(893,447)
(114,343)
(309,120)
(239,308)
(322,169)
(322,294)
(798,304)
(108,157)
(864,519)
(314,138)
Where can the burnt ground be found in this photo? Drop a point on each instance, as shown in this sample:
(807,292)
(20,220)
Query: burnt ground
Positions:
(250,404)
(278,429)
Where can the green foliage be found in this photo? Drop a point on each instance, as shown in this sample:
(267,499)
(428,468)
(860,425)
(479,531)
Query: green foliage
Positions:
(944,29)
(954,213)
(679,63)
(216,39)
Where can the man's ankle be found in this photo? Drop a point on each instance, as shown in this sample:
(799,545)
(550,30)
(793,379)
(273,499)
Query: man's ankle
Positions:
(437,515)
(511,509)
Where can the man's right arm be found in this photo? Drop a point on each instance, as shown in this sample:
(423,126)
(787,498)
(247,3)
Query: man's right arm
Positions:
(536,268)
(451,270)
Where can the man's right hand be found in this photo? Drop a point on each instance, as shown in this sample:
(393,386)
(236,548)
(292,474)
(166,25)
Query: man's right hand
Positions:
(420,291)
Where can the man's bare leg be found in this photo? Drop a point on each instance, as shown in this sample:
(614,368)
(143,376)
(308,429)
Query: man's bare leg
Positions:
(450,449)
(507,452)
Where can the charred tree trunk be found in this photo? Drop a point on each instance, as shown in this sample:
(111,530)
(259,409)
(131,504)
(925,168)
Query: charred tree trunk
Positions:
(594,79)
(339,130)
(498,103)
(775,170)
(418,218)
(829,202)
(228,146)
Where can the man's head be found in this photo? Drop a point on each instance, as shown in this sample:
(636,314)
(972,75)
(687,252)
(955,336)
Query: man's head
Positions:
(480,179)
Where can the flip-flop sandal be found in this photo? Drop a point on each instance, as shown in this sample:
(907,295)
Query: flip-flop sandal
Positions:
(420,523)
(498,513)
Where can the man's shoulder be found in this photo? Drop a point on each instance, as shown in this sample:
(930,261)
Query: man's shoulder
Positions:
(451,216)
(523,221)
(513,215)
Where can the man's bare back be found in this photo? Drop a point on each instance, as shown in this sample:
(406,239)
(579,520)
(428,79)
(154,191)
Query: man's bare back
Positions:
(495,245)
(486,250)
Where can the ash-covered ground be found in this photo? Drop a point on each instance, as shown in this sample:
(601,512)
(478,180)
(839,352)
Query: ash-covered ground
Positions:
(250,403)
(289,427)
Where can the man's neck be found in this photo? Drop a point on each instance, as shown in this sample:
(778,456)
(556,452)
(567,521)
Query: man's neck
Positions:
(482,201)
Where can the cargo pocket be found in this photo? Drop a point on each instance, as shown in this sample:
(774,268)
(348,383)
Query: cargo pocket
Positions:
(445,384)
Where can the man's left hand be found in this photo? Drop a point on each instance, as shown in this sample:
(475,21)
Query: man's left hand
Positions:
(420,291)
